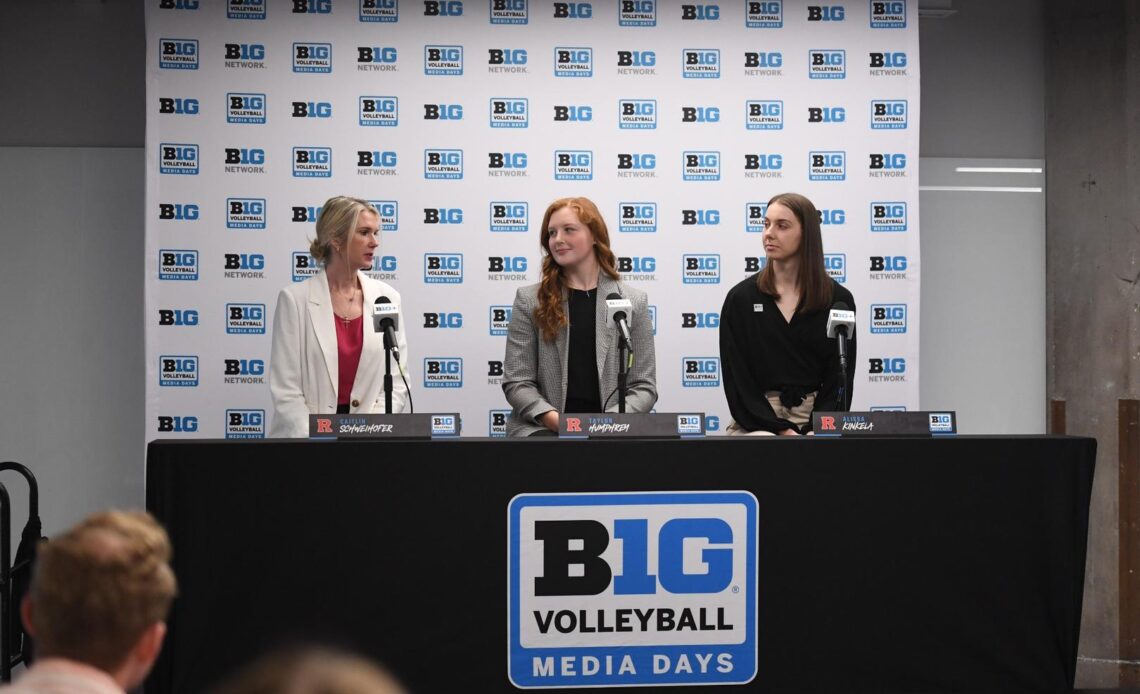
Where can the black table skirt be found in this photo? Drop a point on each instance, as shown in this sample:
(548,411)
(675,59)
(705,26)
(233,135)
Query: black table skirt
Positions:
(884,565)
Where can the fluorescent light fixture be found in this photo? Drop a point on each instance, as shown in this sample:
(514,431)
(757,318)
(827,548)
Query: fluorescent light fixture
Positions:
(997,169)
(983,189)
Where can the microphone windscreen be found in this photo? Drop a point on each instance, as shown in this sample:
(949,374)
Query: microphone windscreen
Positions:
(382,300)
(841,306)
(613,295)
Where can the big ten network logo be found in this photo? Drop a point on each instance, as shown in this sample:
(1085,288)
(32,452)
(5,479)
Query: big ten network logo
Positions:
(245,108)
(888,14)
(177,264)
(507,61)
(700,320)
(764,115)
(826,13)
(637,217)
(178,54)
(754,213)
(700,114)
(573,114)
(763,64)
(636,165)
(888,267)
(702,218)
(637,114)
(497,423)
(377,59)
(312,162)
(443,372)
(754,264)
(443,215)
(573,61)
(632,589)
(700,372)
(178,106)
(573,165)
(503,268)
(177,317)
(827,166)
(836,266)
(495,374)
(506,164)
(443,8)
(886,64)
(312,57)
(245,56)
(700,166)
(245,9)
(178,211)
(443,60)
(886,165)
(389,211)
(246,160)
(827,114)
(827,64)
(509,216)
(764,15)
(886,370)
(832,217)
(245,424)
(636,63)
(244,266)
(443,164)
(384,267)
(888,318)
(178,371)
(376,163)
(443,112)
(379,111)
(178,159)
(509,112)
(443,320)
(245,213)
(443,268)
(888,115)
(573,10)
(499,319)
(509,12)
(700,63)
(379,10)
(636,268)
(245,319)
(243,372)
(700,268)
(177,424)
(304,266)
(763,166)
(888,216)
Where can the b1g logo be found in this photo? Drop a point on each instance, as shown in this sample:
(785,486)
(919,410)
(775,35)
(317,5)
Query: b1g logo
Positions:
(504,268)
(443,112)
(636,63)
(509,113)
(888,318)
(509,12)
(443,164)
(827,64)
(754,213)
(312,109)
(376,163)
(499,319)
(827,166)
(763,64)
(754,264)
(377,59)
(764,15)
(379,111)
(698,268)
(888,115)
(178,106)
(250,56)
(700,63)
(383,268)
(244,266)
(637,13)
(887,64)
(443,320)
(573,114)
(764,115)
(304,266)
(245,160)
(389,214)
(888,267)
(637,268)
(888,14)
(825,13)
(245,319)
(177,264)
(178,54)
(700,114)
(700,320)
(507,61)
(178,159)
(245,9)
(573,165)
(886,370)
(443,372)
(632,589)
(312,6)
(888,216)
(245,108)
(177,424)
(379,10)
(443,8)
(637,114)
(312,57)
(636,165)
(637,217)
(245,213)
(886,165)
(178,371)
(941,422)
(836,266)
(304,215)
(700,13)
(443,60)
(180,317)
(700,372)
(443,268)
(245,424)
(312,162)
(763,166)
(497,423)
(827,114)
(178,211)
(573,62)
(573,10)
(829,217)
(443,215)
(506,164)
(700,217)
(509,216)
(243,371)
(700,166)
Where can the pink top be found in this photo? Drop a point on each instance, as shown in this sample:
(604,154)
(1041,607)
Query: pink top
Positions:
(349,341)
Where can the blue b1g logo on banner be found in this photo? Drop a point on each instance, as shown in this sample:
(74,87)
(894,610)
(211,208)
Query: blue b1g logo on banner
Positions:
(509,113)
(888,114)
(888,216)
(178,159)
(768,14)
(509,12)
(637,13)
(443,372)
(443,60)
(700,372)
(573,165)
(682,610)
(443,164)
(700,63)
(888,14)
(888,318)
(312,57)
(836,265)
(637,114)
(245,319)
(178,371)
(379,111)
(245,213)
(827,64)
(637,217)
(509,216)
(827,166)
(178,54)
(245,424)
(379,10)
(312,162)
(573,62)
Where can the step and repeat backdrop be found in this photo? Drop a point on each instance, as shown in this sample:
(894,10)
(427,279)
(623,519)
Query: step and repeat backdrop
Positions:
(461,120)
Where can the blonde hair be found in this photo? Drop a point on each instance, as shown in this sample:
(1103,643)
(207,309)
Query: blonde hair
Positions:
(338,218)
(311,671)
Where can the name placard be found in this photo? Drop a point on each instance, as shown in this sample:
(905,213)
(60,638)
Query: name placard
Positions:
(384,426)
(885,423)
(608,425)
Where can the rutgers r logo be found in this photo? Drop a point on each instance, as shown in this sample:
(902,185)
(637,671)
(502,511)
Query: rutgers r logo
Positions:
(573,425)
(324,426)
(827,423)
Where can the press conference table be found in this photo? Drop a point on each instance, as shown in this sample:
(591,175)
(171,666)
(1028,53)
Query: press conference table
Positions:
(884,564)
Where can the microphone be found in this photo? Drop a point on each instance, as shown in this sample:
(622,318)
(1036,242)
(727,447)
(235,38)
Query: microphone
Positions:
(620,310)
(386,319)
(840,324)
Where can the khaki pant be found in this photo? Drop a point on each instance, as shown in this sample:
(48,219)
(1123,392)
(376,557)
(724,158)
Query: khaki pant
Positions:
(798,415)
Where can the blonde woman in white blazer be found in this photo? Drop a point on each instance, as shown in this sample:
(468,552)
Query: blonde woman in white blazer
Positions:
(322,326)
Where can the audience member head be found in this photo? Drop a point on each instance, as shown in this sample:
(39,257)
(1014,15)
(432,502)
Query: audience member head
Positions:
(311,671)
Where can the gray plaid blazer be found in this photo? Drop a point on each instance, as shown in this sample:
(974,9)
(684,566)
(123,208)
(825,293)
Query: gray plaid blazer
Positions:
(534,370)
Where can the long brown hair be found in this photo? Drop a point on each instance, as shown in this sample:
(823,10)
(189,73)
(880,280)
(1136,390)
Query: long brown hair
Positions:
(812,280)
(549,314)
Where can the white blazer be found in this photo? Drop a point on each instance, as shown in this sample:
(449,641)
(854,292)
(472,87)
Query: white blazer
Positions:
(303,365)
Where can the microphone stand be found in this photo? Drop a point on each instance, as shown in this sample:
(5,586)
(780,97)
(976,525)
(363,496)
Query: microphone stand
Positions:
(388,346)
(841,392)
(623,373)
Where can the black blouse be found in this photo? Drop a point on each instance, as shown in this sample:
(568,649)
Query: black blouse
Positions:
(582,361)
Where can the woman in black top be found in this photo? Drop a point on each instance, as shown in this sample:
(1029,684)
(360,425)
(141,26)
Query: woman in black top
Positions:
(779,365)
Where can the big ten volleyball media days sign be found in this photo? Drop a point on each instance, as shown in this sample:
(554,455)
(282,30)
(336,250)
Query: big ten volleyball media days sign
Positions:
(461,120)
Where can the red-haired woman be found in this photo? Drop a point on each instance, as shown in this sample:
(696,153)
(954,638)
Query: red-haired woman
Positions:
(561,352)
